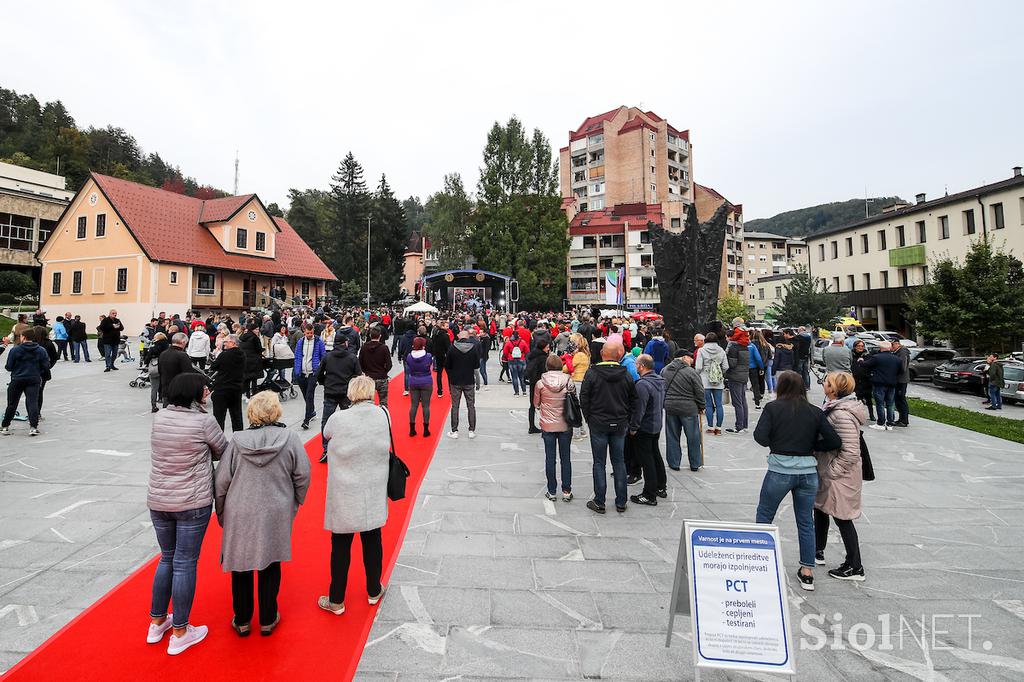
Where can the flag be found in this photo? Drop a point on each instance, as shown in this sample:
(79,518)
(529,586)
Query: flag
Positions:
(614,281)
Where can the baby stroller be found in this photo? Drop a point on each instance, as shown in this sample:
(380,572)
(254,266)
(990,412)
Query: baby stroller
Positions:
(141,381)
(272,382)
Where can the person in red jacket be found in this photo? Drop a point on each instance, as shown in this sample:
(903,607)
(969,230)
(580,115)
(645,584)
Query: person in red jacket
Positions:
(514,355)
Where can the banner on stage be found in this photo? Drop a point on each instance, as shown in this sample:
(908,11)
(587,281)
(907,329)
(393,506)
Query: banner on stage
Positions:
(733,576)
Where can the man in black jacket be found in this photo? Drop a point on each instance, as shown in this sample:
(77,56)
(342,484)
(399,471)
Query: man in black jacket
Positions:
(336,369)
(375,360)
(885,370)
(536,365)
(440,342)
(607,397)
(461,361)
(398,326)
(228,371)
(172,362)
(110,337)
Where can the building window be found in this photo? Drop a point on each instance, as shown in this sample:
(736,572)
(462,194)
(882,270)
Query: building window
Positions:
(922,232)
(98,277)
(654,188)
(676,222)
(206,283)
(943,227)
(590,242)
(261,241)
(653,170)
(885,279)
(867,280)
(903,277)
(835,250)
(778,292)
(597,188)
(305,288)
(821,251)
(174,277)
(101,225)
(881,240)
(864,246)
(901,237)
(850,282)
(81,227)
(652,152)
(55,288)
(595,205)
(648,282)
(849,246)
(645,237)
(969,221)
(760,293)
(835,284)
(997,216)
(76,282)
(242,238)
(122,280)
(647,260)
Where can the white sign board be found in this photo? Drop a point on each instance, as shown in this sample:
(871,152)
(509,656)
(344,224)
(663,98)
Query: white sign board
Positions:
(737,596)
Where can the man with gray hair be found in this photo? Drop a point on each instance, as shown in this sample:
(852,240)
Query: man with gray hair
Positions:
(172,362)
(228,371)
(836,356)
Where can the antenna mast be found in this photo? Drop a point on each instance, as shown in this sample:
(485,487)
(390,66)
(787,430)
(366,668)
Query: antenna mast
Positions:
(236,172)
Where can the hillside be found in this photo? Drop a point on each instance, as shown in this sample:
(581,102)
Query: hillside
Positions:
(45,137)
(806,221)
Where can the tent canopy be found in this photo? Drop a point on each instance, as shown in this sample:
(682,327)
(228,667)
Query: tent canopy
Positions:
(421,307)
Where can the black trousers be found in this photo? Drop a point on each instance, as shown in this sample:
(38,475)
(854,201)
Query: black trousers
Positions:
(653,465)
(225,402)
(631,457)
(757,383)
(846,530)
(902,407)
(62,349)
(30,389)
(439,366)
(341,557)
(267,589)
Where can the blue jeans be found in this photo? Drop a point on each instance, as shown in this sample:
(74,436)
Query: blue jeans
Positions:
(995,397)
(180,535)
(80,349)
(563,441)
(601,442)
(516,369)
(769,377)
(803,367)
(885,404)
(307,384)
(483,370)
(713,407)
(109,354)
(690,426)
(803,487)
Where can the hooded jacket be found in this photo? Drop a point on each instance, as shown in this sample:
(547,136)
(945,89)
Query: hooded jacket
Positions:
(607,397)
(650,403)
(199,344)
(885,368)
(684,392)
(549,398)
(28,360)
(657,348)
(840,470)
(335,371)
(350,333)
(629,362)
(461,362)
(405,343)
(440,342)
(418,364)
(536,365)
(710,353)
(738,356)
(261,480)
(785,357)
(185,442)
(228,370)
(375,359)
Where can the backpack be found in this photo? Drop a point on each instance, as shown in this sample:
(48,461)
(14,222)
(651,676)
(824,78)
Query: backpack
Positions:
(715,375)
(517,352)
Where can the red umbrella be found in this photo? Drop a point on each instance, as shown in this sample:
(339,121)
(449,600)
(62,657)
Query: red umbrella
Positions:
(646,316)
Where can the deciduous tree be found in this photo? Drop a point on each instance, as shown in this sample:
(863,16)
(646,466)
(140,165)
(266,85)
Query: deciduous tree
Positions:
(805,301)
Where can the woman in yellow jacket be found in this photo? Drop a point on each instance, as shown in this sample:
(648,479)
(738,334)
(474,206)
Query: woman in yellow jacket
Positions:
(580,350)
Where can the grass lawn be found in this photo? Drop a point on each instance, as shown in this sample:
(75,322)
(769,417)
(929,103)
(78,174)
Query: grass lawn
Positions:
(6,325)
(1000,427)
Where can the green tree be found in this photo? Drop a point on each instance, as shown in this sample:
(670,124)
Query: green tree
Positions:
(806,301)
(978,304)
(275,210)
(447,224)
(732,306)
(345,246)
(309,213)
(415,215)
(350,293)
(16,283)
(387,245)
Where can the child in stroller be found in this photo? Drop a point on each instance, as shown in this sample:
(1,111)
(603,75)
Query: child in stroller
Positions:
(124,350)
(274,379)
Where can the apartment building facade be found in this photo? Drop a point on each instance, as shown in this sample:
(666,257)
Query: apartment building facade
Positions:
(31,202)
(766,293)
(876,262)
(766,255)
(708,200)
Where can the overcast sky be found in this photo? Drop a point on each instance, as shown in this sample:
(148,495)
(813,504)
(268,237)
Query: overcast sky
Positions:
(788,103)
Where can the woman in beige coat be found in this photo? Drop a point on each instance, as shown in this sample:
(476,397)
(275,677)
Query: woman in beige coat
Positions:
(580,365)
(549,399)
(840,475)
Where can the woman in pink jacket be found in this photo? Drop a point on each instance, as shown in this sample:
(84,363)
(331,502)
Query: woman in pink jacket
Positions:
(549,399)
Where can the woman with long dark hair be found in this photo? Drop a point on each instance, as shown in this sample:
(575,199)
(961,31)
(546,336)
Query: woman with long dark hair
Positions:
(792,429)
(862,377)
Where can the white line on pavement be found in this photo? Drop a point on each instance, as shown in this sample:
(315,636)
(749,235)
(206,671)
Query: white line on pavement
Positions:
(59,514)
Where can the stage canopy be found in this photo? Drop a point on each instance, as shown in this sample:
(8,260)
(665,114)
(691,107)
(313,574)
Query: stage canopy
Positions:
(467,288)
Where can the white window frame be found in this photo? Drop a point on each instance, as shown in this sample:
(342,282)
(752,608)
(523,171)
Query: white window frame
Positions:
(172,278)
(117,281)
(82,228)
(99,274)
(81,278)
(256,243)
(56,280)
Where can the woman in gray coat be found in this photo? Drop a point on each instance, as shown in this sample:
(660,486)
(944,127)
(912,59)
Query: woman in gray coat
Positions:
(358,445)
(261,481)
(185,441)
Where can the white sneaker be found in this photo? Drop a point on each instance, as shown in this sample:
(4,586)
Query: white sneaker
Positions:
(472,435)
(5,431)
(33,431)
(405,393)
(876,427)
(194,634)
(156,632)
(453,435)
(887,428)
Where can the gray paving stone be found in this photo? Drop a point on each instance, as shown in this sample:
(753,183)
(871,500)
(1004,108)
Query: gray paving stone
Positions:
(591,575)
(545,609)
(470,571)
(515,652)
(459,544)
(436,605)
(537,546)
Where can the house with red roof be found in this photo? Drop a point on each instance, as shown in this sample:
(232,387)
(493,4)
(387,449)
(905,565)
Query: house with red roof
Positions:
(142,250)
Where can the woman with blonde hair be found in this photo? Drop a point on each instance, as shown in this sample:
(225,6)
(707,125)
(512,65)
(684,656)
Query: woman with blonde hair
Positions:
(840,475)
(218,343)
(328,334)
(358,445)
(580,365)
(260,483)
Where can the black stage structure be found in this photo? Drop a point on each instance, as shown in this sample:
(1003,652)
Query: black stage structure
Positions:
(473,288)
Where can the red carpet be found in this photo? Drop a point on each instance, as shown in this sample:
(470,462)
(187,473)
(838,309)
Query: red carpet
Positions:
(107,640)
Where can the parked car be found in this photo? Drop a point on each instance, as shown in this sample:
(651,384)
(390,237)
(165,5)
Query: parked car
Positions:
(890,336)
(816,349)
(1013,386)
(961,373)
(924,360)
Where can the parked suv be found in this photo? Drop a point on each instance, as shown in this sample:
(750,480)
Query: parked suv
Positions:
(1013,382)
(924,360)
(890,337)
(960,374)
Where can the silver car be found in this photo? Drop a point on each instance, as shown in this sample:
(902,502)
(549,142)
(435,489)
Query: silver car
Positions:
(1013,383)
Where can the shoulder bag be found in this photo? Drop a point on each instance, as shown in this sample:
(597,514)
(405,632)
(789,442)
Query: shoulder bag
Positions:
(572,412)
(398,472)
(867,470)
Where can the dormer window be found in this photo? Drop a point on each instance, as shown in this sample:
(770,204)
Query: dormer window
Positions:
(261,241)
(242,238)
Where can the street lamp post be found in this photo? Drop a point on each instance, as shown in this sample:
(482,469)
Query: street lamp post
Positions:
(367,262)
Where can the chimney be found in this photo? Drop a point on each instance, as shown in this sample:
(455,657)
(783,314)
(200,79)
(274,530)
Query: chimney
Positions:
(920,198)
(1016,171)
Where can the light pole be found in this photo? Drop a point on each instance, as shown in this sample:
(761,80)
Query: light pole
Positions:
(367,262)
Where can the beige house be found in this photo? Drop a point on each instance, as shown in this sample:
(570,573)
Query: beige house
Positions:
(767,292)
(144,250)
(876,262)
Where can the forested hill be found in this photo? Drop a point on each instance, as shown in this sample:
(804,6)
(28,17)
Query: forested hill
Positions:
(45,137)
(806,221)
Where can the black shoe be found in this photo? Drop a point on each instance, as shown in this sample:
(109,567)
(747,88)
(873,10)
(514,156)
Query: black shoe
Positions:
(155,409)
(819,557)
(642,499)
(848,573)
(267,630)
(323,458)
(633,480)
(305,425)
(694,468)
(902,424)
(107,369)
(533,430)
(663,494)
(757,406)
(987,408)
(412,430)
(674,468)
(620,509)
(440,394)
(806,581)
(732,430)
(426,431)
(242,630)
(116,369)
(595,507)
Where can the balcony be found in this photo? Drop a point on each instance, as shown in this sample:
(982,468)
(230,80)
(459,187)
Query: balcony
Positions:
(579,161)
(589,272)
(908,255)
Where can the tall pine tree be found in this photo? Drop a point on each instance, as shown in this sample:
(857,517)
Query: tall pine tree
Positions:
(387,245)
(449,213)
(345,249)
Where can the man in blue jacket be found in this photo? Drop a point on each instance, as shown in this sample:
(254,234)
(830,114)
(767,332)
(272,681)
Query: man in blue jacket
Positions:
(645,426)
(27,362)
(309,351)
(885,370)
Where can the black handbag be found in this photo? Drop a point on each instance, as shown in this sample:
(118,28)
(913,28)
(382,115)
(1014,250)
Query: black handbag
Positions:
(867,471)
(398,472)
(572,412)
